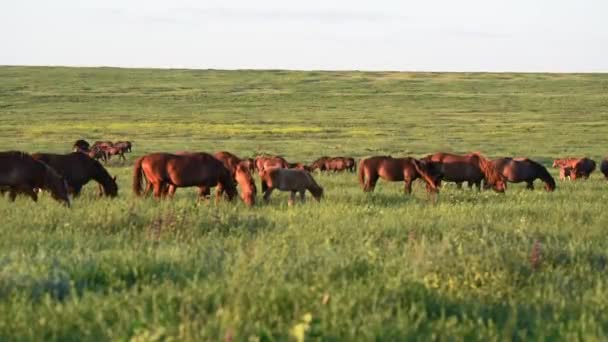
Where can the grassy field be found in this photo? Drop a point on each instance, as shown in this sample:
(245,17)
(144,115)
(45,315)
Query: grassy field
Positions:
(381,266)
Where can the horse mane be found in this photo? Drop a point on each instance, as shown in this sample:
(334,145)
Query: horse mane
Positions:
(487,167)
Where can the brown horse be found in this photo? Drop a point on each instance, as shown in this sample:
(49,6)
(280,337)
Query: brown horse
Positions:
(20,173)
(246,183)
(230,160)
(319,164)
(604,168)
(472,168)
(393,170)
(299,166)
(162,170)
(574,167)
(351,165)
(249,163)
(78,170)
(115,151)
(269,162)
(124,146)
(517,170)
(294,180)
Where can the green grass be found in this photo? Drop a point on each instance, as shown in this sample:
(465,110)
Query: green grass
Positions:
(381,266)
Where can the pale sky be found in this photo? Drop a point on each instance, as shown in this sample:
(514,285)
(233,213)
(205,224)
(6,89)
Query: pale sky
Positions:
(417,35)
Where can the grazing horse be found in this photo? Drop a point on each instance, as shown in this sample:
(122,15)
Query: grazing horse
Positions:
(604,168)
(319,164)
(229,159)
(81,145)
(575,167)
(351,165)
(472,168)
(246,183)
(20,173)
(269,162)
(125,146)
(517,170)
(78,170)
(294,180)
(162,170)
(394,170)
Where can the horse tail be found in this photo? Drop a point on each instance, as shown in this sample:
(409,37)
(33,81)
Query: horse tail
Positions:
(361,173)
(138,176)
(423,172)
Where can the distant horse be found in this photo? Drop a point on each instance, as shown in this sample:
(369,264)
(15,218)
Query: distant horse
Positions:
(299,166)
(517,170)
(269,162)
(246,183)
(115,151)
(472,168)
(604,168)
(78,170)
(162,170)
(294,180)
(351,165)
(575,167)
(81,145)
(20,173)
(394,170)
(319,164)
(124,146)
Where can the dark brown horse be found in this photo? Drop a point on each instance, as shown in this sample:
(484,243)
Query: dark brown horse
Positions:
(162,170)
(472,168)
(351,165)
(393,170)
(124,146)
(20,173)
(78,169)
(81,145)
(517,170)
(115,151)
(604,168)
(293,180)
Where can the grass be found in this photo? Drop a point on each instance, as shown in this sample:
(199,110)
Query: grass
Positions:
(381,266)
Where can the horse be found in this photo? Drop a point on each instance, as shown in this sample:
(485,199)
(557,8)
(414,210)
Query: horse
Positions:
(103,144)
(394,170)
(162,170)
(517,170)
(351,165)
(20,173)
(249,163)
(472,168)
(294,180)
(78,169)
(229,160)
(299,166)
(243,178)
(319,164)
(114,151)
(574,167)
(81,145)
(604,168)
(125,146)
(268,162)
(96,153)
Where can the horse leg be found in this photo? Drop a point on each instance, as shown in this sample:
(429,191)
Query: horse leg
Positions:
(292,198)
(267,194)
(408,186)
(303,196)
(31,193)
(75,190)
(477,184)
(158,190)
(530,185)
(370,184)
(203,193)
(12,194)
(459,185)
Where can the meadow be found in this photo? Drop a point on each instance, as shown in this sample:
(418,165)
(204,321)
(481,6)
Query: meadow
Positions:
(381,266)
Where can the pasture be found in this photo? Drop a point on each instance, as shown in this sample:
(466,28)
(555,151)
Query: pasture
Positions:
(356,266)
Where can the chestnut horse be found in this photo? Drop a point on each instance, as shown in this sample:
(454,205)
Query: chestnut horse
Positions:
(20,173)
(162,170)
(246,183)
(78,169)
(124,146)
(575,167)
(269,162)
(393,170)
(517,170)
(294,180)
(319,164)
(230,160)
(472,168)
(604,168)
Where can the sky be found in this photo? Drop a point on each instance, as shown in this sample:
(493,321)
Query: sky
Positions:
(421,35)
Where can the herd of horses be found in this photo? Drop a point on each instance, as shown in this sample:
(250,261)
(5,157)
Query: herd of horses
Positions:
(161,174)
